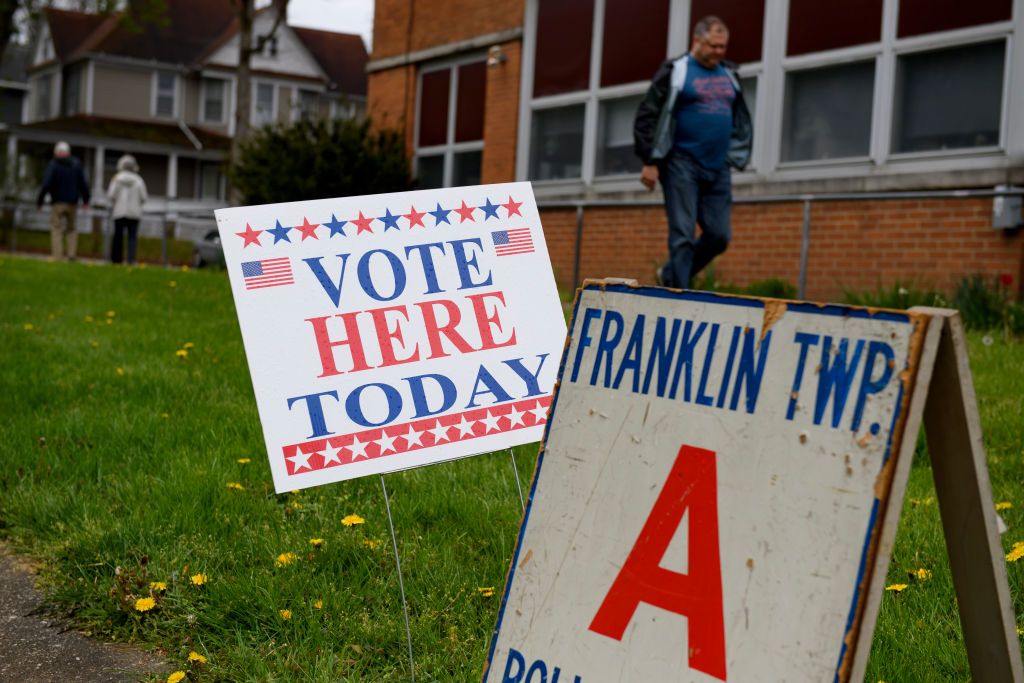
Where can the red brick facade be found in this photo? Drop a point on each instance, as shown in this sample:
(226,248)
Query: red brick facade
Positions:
(854,245)
(857,246)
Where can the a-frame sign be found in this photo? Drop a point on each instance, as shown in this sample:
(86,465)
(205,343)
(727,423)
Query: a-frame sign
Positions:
(719,489)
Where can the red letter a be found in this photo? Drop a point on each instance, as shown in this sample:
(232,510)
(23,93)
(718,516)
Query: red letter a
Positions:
(691,485)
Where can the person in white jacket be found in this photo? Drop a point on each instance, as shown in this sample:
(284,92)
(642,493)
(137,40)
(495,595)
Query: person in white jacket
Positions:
(127,194)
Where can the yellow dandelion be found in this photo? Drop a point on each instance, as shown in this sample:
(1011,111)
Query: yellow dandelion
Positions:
(110,320)
(372,543)
(923,574)
(188,345)
(294,492)
(1004,505)
(319,604)
(194,656)
(896,587)
(316,542)
(198,579)
(120,372)
(1020,631)
(922,501)
(352,520)
(244,461)
(234,485)
(185,268)
(29,327)
(176,677)
(285,559)
(87,319)
(172,283)
(94,344)
(486,591)
(1016,552)
(181,353)
(296,505)
(157,586)
(286,614)
(111,314)
(144,604)
(165,415)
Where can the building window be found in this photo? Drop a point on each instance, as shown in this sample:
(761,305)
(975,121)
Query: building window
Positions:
(307,106)
(43,90)
(949,99)
(827,112)
(450,125)
(615,135)
(72,86)
(214,100)
(211,180)
(746,26)
(264,111)
(917,17)
(166,84)
(556,143)
(816,26)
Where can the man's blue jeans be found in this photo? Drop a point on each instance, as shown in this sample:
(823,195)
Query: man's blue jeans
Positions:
(693,194)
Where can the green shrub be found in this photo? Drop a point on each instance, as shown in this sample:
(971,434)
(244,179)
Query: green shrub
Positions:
(774,288)
(981,305)
(319,159)
(899,296)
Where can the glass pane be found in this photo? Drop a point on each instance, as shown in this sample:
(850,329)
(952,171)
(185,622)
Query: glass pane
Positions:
(556,143)
(635,40)
(562,56)
(469,108)
(828,112)
(949,99)
(214,100)
(430,172)
(816,25)
(264,103)
(209,184)
(434,108)
(745,19)
(749,88)
(615,137)
(466,169)
(928,16)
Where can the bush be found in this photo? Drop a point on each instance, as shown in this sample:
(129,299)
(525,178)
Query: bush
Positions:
(772,288)
(899,296)
(986,305)
(317,159)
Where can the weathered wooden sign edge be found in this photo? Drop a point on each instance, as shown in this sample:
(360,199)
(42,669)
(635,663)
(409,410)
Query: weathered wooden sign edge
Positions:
(774,309)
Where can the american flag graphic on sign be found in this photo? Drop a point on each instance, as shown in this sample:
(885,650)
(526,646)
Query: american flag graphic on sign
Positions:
(508,242)
(271,272)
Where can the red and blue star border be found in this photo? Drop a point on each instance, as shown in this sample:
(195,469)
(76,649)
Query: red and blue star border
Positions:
(371,224)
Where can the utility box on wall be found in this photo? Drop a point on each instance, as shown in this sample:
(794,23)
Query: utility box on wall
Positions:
(1007,210)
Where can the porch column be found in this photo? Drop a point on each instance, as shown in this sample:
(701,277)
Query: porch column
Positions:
(11,170)
(98,191)
(172,177)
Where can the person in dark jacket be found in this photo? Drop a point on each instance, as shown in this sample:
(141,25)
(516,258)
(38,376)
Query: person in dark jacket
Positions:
(65,182)
(690,129)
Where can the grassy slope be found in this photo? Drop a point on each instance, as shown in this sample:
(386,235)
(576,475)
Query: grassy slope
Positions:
(117,454)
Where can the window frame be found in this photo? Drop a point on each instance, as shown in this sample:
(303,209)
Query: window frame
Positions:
(225,84)
(450,148)
(175,94)
(297,111)
(771,74)
(274,102)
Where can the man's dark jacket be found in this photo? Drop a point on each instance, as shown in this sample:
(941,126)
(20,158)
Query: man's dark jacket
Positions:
(64,181)
(654,126)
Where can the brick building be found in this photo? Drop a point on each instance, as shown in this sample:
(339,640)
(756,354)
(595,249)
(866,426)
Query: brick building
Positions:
(856,104)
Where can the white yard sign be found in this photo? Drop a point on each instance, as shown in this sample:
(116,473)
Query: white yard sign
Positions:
(712,479)
(390,331)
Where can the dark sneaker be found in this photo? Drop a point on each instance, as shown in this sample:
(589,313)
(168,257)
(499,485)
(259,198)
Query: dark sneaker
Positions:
(660,276)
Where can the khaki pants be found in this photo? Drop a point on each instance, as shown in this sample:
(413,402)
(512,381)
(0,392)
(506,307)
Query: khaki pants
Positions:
(68,212)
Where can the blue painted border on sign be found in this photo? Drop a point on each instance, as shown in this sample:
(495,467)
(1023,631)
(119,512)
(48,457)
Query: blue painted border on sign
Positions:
(719,299)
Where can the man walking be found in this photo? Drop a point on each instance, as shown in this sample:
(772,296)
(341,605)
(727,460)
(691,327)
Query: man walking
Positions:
(691,127)
(65,182)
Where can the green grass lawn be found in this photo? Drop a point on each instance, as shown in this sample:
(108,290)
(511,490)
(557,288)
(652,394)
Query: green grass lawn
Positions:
(132,454)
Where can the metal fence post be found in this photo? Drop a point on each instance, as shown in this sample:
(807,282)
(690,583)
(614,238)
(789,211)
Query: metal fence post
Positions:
(579,246)
(805,245)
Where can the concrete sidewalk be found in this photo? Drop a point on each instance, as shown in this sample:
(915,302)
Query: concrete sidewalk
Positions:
(38,649)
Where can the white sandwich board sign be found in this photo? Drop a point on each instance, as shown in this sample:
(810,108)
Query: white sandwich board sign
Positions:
(717,493)
(390,331)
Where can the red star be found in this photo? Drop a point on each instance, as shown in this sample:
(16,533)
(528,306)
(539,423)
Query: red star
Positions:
(415,217)
(512,207)
(363,223)
(307,229)
(250,236)
(465,212)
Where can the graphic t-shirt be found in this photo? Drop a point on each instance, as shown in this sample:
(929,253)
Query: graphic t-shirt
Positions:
(703,113)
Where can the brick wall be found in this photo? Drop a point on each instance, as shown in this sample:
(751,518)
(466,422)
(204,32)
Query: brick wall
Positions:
(390,95)
(501,117)
(438,22)
(854,245)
